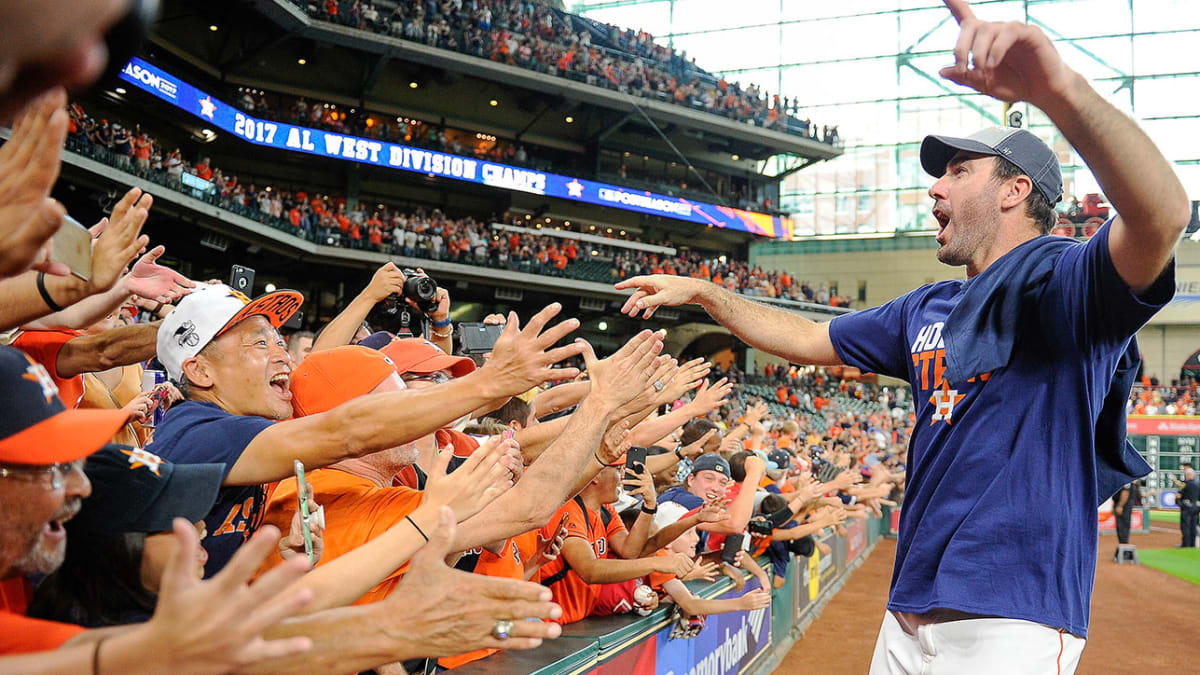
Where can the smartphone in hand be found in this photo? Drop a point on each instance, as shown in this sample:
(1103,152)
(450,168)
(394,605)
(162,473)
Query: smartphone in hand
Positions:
(302,495)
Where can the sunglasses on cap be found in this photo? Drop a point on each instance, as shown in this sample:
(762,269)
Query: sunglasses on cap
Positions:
(437,377)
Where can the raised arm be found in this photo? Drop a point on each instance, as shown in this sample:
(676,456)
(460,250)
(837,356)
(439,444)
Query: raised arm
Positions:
(774,331)
(340,331)
(114,347)
(742,506)
(522,359)
(579,555)
(1017,62)
(551,480)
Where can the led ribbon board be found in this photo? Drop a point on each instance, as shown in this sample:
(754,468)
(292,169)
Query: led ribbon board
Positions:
(379,153)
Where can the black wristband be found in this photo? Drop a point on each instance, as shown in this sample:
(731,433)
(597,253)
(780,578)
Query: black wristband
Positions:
(417,527)
(611,466)
(41,286)
(647,511)
(679,454)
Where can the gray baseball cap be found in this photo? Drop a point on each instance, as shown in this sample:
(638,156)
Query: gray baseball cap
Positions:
(1018,146)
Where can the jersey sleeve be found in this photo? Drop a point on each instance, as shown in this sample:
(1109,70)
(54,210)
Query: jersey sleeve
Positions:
(872,339)
(1098,306)
(576,525)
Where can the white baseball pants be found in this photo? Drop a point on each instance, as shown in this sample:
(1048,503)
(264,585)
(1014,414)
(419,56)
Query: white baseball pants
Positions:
(975,646)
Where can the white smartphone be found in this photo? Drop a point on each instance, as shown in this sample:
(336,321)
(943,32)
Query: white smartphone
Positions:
(73,248)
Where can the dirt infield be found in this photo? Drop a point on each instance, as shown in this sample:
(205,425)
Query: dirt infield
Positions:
(1134,611)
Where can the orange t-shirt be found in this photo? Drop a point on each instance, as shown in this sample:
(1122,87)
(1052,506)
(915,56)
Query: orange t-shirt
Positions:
(656,580)
(20,634)
(43,346)
(572,593)
(356,511)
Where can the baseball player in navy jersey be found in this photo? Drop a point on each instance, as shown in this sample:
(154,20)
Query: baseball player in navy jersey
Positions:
(1019,372)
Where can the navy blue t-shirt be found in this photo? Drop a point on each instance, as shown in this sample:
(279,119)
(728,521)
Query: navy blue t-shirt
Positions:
(195,432)
(999,512)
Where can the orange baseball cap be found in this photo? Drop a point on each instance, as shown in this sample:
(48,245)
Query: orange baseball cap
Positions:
(327,379)
(36,428)
(418,355)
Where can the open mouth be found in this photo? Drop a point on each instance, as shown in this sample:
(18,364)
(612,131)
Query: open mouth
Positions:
(943,222)
(279,383)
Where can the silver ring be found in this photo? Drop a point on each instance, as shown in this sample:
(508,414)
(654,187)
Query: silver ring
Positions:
(501,629)
(658,385)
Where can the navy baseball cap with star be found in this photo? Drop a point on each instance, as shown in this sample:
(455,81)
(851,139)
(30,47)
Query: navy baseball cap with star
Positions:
(134,490)
(1018,146)
(36,428)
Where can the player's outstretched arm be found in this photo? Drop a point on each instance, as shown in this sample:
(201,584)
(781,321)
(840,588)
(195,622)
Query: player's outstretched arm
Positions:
(1017,62)
(775,331)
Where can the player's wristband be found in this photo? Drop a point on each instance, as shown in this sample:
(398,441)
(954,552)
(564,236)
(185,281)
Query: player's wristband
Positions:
(440,324)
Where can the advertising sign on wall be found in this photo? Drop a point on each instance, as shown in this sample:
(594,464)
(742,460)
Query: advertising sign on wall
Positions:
(729,644)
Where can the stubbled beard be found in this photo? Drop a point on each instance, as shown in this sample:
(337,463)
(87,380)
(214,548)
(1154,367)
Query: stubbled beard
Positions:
(37,560)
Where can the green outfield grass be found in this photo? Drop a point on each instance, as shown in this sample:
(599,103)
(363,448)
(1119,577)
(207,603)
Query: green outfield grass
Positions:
(1164,516)
(1178,562)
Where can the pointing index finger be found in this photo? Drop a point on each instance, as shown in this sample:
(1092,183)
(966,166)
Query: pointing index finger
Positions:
(960,9)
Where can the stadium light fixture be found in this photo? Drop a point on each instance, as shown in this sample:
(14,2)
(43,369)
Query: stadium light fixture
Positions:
(269,288)
(570,119)
(120,90)
(302,61)
(734,157)
(213,27)
(493,103)
(603,325)
(413,85)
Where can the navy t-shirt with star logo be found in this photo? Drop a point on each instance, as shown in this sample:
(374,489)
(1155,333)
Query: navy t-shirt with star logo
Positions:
(197,432)
(999,514)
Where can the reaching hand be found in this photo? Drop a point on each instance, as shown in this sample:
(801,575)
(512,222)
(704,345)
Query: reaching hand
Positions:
(755,599)
(652,292)
(713,511)
(710,397)
(387,280)
(216,625)
(689,376)
(151,281)
(29,165)
(474,484)
(615,444)
(121,239)
(756,413)
(701,570)
(443,611)
(524,358)
(1011,61)
(696,447)
(622,376)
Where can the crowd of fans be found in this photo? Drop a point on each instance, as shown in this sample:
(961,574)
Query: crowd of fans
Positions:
(1151,398)
(538,37)
(331,220)
(162,434)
